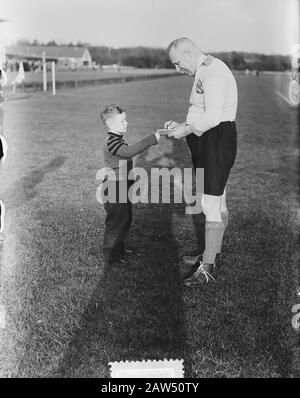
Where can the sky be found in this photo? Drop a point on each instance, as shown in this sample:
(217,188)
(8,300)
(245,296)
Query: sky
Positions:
(264,26)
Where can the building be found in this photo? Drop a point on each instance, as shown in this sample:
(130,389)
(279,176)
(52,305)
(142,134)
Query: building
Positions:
(64,56)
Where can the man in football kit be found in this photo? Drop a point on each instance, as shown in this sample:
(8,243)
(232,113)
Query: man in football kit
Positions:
(211,135)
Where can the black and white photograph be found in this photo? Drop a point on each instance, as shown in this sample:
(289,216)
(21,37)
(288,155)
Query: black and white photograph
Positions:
(149,191)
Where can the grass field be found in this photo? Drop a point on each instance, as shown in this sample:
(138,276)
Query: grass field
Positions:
(90,74)
(87,74)
(68,315)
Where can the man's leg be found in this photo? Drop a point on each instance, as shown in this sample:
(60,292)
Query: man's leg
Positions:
(214,230)
(190,260)
(217,152)
(224,215)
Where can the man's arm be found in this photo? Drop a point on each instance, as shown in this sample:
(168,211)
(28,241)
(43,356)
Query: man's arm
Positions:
(128,151)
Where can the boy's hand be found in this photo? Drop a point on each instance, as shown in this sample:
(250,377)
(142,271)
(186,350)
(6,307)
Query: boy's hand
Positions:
(157,135)
(163,132)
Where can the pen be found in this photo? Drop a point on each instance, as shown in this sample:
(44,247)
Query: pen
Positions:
(171,121)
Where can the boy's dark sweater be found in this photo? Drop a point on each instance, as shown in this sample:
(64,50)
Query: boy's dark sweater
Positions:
(116,149)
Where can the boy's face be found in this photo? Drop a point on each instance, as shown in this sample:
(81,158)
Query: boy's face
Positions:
(118,123)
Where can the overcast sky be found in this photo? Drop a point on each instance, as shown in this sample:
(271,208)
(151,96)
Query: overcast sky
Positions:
(268,26)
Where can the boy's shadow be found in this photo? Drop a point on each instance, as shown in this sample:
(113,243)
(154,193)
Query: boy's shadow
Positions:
(136,311)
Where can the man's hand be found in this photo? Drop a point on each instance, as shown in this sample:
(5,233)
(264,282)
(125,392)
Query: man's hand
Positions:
(180,132)
(170,124)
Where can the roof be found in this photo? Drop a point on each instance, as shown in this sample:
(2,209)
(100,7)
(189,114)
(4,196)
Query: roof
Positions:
(52,52)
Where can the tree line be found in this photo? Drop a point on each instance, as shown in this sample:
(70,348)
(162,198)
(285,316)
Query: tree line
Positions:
(145,57)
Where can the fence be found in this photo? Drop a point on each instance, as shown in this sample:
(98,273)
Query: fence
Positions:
(38,86)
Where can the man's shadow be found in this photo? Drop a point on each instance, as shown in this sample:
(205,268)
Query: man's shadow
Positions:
(136,311)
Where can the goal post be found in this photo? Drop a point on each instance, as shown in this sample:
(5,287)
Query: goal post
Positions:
(44,71)
(53,78)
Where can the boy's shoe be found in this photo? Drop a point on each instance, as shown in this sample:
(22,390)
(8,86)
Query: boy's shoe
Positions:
(112,255)
(201,276)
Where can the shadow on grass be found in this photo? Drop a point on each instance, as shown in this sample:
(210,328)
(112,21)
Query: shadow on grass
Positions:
(24,188)
(240,327)
(136,310)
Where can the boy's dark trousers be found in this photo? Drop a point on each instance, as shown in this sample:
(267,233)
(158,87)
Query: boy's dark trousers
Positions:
(117,223)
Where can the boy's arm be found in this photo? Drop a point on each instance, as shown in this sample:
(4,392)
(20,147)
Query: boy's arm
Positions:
(128,151)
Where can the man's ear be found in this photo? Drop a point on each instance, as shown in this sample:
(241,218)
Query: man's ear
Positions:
(187,53)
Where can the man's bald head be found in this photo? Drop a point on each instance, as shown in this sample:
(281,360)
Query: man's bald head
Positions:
(181,43)
(184,54)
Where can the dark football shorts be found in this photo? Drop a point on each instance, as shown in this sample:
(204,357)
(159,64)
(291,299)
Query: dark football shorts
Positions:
(215,152)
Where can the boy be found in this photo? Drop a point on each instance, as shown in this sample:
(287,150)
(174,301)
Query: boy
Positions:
(119,215)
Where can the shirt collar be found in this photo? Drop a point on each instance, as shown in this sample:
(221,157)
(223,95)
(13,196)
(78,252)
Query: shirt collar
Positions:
(201,59)
(115,133)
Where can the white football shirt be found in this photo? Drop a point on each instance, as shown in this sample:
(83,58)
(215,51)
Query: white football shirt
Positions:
(214,95)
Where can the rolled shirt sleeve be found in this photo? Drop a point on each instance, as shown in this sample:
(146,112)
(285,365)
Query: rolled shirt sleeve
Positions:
(126,151)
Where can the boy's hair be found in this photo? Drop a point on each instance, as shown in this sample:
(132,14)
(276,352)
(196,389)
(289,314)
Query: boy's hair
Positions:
(110,111)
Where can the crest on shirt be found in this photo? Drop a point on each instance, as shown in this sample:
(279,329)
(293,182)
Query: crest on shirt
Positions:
(199,87)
